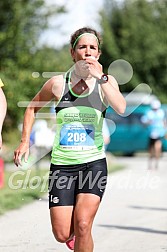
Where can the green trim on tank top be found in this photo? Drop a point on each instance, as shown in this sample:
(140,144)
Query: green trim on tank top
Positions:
(62,93)
(78,96)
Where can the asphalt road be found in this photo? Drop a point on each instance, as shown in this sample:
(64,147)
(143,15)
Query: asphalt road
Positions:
(132,216)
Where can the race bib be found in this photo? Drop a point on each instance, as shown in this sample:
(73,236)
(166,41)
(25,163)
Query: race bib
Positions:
(77,136)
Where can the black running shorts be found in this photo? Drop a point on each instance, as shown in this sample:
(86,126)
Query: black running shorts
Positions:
(153,140)
(66,181)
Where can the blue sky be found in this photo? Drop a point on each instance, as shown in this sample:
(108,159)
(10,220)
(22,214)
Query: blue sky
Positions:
(80,13)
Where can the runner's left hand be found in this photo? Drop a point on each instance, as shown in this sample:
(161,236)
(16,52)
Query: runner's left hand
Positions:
(95,68)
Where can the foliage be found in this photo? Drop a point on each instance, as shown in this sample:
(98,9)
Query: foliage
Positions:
(51,60)
(21,23)
(135,31)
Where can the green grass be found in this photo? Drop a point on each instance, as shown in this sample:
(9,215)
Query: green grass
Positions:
(111,165)
(22,187)
(114,168)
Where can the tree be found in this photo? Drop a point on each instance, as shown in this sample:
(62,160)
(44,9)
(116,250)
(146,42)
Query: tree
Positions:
(138,31)
(21,23)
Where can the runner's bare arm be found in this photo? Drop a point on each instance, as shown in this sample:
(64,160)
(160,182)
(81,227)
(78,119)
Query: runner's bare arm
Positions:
(110,89)
(114,97)
(3,106)
(40,100)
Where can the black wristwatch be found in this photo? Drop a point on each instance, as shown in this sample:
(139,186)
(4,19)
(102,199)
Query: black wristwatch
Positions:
(104,79)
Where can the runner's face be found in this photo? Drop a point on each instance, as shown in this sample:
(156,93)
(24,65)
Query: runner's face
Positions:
(87,46)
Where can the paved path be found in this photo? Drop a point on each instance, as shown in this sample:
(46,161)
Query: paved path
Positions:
(132,216)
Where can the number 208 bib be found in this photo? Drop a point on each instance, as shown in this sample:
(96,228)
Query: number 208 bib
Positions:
(77,136)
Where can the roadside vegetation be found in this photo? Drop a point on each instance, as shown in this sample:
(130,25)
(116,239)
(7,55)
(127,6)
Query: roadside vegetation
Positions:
(22,187)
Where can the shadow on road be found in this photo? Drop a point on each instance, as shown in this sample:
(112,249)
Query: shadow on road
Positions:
(149,208)
(147,230)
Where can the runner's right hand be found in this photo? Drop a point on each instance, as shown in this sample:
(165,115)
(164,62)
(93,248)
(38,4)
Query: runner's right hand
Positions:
(22,150)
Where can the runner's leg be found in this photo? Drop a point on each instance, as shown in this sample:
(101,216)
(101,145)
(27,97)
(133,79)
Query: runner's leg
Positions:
(84,213)
(62,222)
(158,149)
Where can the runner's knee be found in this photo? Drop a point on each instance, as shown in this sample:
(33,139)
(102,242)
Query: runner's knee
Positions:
(60,236)
(82,227)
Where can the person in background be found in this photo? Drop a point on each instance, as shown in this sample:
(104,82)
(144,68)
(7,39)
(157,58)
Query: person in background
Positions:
(78,155)
(156,122)
(3,108)
(106,133)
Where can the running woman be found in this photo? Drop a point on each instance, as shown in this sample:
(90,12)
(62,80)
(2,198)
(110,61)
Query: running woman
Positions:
(78,172)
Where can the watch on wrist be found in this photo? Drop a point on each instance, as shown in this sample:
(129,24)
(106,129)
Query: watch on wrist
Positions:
(104,79)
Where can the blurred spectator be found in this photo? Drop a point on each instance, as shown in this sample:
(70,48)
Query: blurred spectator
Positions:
(106,133)
(43,136)
(41,140)
(155,119)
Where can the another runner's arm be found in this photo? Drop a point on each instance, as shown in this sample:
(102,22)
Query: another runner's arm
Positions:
(3,107)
